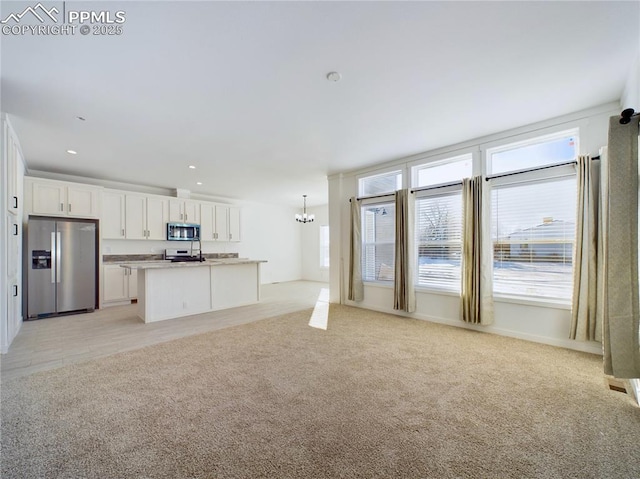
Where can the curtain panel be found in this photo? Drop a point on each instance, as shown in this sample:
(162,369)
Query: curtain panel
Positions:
(588,263)
(476,291)
(404,296)
(621,322)
(356,286)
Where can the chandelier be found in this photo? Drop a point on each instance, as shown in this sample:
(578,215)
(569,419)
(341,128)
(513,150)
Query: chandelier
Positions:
(304,217)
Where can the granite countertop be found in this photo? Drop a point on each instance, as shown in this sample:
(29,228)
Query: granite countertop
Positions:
(157,258)
(188,264)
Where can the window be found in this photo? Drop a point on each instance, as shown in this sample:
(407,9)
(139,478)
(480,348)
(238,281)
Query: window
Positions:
(324,246)
(439,239)
(380,184)
(544,151)
(378,241)
(533,220)
(447,171)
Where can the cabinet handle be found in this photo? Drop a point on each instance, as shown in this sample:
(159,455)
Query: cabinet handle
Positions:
(69,207)
(15,229)
(230,236)
(61,207)
(15,202)
(122,231)
(15,290)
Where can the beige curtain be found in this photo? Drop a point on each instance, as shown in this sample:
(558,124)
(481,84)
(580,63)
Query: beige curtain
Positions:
(476,291)
(586,323)
(404,296)
(621,324)
(356,287)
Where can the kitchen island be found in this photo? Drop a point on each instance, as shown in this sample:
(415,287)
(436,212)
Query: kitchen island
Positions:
(169,290)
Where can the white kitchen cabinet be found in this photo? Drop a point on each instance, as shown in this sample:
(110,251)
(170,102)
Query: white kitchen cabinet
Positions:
(219,222)
(112,223)
(207,214)
(13,158)
(118,284)
(234,223)
(184,211)
(59,198)
(145,217)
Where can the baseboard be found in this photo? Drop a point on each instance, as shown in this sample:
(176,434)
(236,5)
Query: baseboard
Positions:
(593,348)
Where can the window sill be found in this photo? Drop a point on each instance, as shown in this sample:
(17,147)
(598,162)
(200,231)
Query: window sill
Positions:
(431,290)
(527,301)
(379,284)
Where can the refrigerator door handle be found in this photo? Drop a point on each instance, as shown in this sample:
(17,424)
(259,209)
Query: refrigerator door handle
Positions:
(58,254)
(54,257)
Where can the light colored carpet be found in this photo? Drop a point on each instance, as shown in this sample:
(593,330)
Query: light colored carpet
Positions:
(373,396)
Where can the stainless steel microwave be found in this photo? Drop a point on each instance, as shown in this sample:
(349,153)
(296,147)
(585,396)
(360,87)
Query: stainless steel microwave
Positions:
(183,231)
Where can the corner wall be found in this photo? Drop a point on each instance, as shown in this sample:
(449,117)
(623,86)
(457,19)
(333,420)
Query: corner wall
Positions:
(311,270)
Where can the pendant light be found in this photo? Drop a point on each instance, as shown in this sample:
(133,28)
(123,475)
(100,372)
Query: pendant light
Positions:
(304,217)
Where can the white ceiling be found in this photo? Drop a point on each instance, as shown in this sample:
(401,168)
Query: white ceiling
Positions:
(239,89)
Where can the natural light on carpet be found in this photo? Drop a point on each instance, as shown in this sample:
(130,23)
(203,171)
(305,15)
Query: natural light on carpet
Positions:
(320,316)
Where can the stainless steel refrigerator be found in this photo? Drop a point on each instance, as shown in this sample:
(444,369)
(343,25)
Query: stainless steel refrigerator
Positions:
(62,257)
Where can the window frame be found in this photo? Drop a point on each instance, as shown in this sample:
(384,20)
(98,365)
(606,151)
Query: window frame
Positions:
(430,193)
(441,160)
(382,201)
(526,177)
(378,173)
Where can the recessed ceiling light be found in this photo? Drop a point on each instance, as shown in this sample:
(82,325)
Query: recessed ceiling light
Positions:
(72,152)
(199,183)
(192,167)
(334,76)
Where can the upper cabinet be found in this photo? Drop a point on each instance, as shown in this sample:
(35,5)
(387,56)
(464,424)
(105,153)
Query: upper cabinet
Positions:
(59,198)
(113,224)
(145,217)
(234,223)
(184,211)
(219,222)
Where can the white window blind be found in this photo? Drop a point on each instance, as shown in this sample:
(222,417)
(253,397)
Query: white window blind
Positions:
(380,184)
(439,240)
(533,232)
(378,241)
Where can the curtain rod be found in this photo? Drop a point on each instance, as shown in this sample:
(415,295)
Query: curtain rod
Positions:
(371,197)
(444,185)
(493,177)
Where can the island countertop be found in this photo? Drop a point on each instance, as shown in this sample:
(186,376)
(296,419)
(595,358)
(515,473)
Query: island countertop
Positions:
(169,290)
(189,264)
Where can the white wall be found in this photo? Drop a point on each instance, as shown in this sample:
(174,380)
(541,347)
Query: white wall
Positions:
(311,270)
(631,94)
(531,320)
